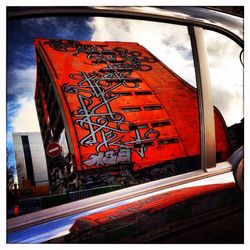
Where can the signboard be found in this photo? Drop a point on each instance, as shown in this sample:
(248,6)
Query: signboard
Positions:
(53,149)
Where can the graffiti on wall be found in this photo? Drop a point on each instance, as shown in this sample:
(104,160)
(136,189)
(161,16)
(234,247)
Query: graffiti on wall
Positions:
(106,130)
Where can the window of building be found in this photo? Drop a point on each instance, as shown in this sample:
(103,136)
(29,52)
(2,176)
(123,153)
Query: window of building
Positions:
(168,141)
(161,124)
(143,93)
(155,107)
(124,93)
(28,159)
(131,109)
(140,126)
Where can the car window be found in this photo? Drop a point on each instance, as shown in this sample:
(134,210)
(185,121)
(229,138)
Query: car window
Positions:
(225,60)
(152,130)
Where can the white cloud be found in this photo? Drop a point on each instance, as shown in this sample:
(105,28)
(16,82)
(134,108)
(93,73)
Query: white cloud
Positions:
(68,30)
(25,119)
(21,112)
(39,21)
(170,43)
(226,76)
(22,81)
(229,103)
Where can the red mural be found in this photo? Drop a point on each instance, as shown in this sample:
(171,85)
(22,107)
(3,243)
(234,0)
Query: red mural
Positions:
(123,106)
(150,206)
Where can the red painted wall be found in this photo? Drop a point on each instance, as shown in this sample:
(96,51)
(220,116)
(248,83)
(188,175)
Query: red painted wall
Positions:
(100,82)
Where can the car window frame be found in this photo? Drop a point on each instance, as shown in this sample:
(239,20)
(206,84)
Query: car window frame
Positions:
(195,27)
(208,164)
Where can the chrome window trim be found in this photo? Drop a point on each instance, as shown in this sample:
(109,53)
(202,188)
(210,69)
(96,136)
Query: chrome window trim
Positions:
(99,201)
(205,98)
(229,25)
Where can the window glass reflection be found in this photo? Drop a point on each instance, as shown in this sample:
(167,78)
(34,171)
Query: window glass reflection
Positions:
(226,71)
(157,129)
(168,42)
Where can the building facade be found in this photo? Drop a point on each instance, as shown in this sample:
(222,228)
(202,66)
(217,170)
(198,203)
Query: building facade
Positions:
(118,112)
(30,158)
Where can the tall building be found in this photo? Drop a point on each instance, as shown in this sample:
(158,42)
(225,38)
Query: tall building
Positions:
(30,158)
(118,111)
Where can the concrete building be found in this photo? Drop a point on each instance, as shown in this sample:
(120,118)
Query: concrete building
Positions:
(117,112)
(30,158)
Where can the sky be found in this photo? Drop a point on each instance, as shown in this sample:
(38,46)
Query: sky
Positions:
(21,65)
(170,43)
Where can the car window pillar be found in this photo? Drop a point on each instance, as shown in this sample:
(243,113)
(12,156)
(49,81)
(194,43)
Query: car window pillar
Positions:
(205,98)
